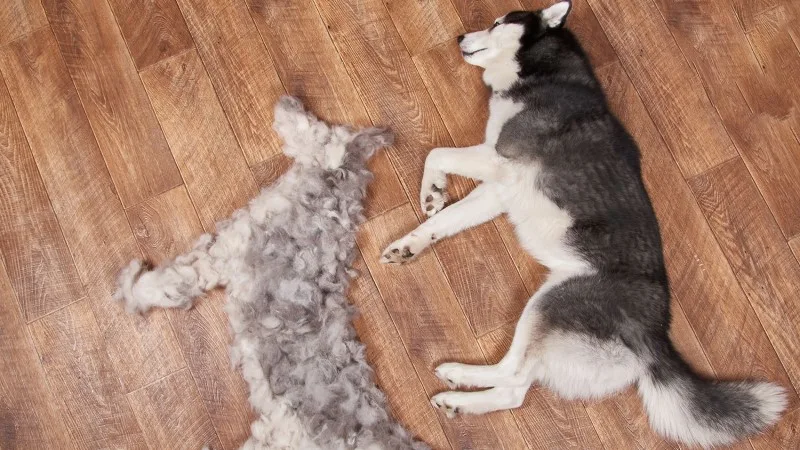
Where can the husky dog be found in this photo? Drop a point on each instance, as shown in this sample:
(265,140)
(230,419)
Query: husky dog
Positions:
(567,173)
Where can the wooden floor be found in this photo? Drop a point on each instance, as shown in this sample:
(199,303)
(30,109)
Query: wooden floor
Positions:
(129,127)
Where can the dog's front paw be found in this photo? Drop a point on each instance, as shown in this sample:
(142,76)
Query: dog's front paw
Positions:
(406,248)
(433,192)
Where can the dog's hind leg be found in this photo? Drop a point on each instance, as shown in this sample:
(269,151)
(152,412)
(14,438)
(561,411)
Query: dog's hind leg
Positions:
(518,366)
(480,402)
(481,205)
(171,285)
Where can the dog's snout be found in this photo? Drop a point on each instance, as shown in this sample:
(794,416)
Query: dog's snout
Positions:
(460,38)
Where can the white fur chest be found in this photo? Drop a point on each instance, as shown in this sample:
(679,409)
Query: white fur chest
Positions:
(501,110)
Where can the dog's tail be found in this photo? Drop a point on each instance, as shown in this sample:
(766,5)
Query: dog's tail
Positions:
(683,406)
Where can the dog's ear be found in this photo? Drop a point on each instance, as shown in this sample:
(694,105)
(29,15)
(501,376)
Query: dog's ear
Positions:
(368,140)
(555,16)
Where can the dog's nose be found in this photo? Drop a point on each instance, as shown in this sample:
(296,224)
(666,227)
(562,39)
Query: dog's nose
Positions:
(460,38)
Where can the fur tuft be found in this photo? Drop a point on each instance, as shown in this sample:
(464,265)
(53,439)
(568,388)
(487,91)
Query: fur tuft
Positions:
(686,408)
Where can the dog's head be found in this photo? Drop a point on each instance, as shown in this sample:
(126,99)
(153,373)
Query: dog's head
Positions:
(311,141)
(498,46)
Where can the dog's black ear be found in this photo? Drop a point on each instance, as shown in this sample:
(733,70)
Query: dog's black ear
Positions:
(555,16)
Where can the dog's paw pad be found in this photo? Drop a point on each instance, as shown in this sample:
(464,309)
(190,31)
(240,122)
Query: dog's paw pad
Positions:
(433,199)
(440,401)
(451,374)
(405,249)
(397,255)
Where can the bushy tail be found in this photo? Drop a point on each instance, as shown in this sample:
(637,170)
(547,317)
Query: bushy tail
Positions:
(686,408)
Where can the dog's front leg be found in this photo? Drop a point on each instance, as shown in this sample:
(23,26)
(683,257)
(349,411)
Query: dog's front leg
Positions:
(481,205)
(480,162)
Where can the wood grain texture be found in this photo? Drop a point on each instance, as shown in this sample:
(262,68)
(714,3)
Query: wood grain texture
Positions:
(86,205)
(753,102)
(770,145)
(701,279)
(423,25)
(116,105)
(480,14)
(208,157)
(166,226)
(37,258)
(19,18)
(765,267)
(80,371)
(394,372)
(173,414)
(30,415)
(670,89)
(240,69)
(431,325)
(477,265)
(795,245)
(310,68)
(153,29)
(546,421)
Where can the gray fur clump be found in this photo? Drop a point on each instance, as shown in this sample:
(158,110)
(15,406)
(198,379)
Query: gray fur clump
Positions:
(285,263)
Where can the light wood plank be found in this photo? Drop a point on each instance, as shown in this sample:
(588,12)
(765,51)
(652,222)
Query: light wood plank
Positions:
(311,69)
(795,245)
(240,69)
(270,170)
(86,205)
(208,157)
(166,226)
(423,25)
(19,18)
(153,29)
(477,15)
(394,372)
(80,372)
(116,105)
(751,103)
(546,421)
(37,258)
(769,143)
(670,89)
(478,267)
(756,250)
(431,325)
(173,414)
(701,279)
(32,417)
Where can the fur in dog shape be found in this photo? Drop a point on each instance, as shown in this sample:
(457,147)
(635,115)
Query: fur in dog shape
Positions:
(285,263)
(567,174)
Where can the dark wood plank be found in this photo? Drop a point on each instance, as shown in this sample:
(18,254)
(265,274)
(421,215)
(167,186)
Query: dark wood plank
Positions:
(32,417)
(670,89)
(701,279)
(764,264)
(394,372)
(37,258)
(423,25)
(153,29)
(546,421)
(208,157)
(19,18)
(431,325)
(478,267)
(240,69)
(165,226)
(86,205)
(173,414)
(116,105)
(311,69)
(80,372)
